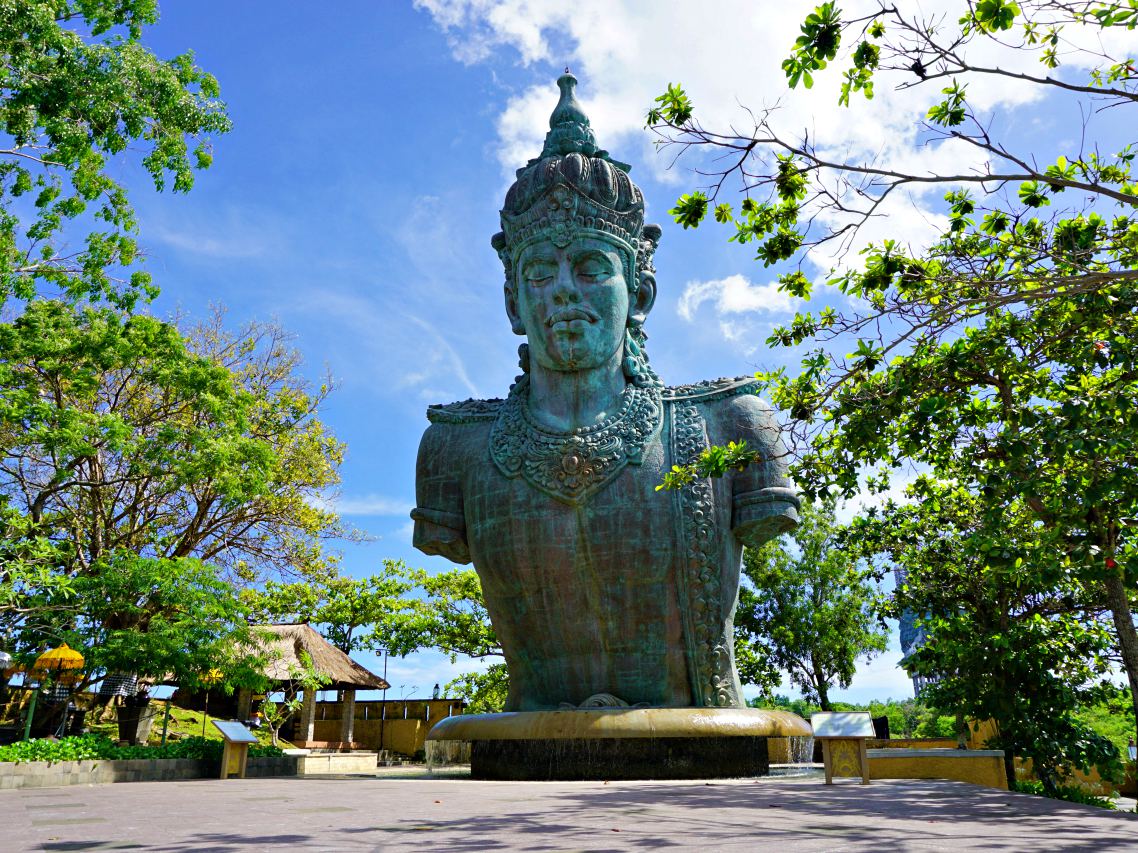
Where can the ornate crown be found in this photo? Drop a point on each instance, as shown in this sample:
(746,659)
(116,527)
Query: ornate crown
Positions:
(574,185)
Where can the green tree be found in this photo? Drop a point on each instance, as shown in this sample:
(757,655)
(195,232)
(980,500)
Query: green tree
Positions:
(807,604)
(351,613)
(446,612)
(1010,634)
(160,618)
(131,457)
(78,93)
(1002,357)
(483,692)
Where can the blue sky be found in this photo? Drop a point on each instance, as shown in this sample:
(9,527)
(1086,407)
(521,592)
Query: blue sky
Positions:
(372,145)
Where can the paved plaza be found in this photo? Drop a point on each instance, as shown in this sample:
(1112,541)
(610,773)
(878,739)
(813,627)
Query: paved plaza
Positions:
(388,813)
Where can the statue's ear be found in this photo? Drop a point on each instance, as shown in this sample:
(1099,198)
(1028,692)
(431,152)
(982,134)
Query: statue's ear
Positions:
(643,300)
(512,311)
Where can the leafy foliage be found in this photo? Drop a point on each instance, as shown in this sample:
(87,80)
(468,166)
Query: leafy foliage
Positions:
(144,477)
(1009,637)
(337,606)
(1070,793)
(445,612)
(1000,358)
(484,692)
(80,90)
(806,605)
(100,747)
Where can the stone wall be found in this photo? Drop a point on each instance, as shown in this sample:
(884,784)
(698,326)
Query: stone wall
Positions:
(53,774)
(399,735)
(978,766)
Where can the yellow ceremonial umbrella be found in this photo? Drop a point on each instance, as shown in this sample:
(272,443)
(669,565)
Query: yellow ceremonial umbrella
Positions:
(64,663)
(209,679)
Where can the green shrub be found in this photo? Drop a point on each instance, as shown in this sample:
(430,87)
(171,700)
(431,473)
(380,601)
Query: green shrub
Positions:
(1069,793)
(97,746)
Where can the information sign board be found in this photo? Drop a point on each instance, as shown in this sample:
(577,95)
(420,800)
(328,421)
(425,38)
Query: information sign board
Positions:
(842,724)
(234,732)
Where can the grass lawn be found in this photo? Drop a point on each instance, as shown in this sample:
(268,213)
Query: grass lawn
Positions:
(183,723)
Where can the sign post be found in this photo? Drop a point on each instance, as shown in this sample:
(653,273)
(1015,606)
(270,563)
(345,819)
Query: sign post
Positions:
(235,754)
(843,736)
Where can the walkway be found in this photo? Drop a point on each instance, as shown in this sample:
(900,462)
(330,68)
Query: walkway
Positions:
(391,814)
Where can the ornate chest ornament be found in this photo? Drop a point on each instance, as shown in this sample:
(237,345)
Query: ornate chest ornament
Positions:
(572,466)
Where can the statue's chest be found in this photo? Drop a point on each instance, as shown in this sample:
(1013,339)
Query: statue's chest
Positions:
(520,533)
(572,467)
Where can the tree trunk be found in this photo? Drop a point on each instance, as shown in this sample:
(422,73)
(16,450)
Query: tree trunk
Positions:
(821,685)
(1119,603)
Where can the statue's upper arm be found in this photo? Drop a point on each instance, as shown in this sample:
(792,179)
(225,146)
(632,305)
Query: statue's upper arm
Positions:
(440,525)
(764,502)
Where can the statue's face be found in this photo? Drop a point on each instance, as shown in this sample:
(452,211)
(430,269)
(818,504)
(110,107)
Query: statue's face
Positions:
(572,304)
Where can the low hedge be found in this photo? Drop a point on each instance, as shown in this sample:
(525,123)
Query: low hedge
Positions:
(101,747)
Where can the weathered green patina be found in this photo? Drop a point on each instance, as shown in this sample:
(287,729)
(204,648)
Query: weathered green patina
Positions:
(602,590)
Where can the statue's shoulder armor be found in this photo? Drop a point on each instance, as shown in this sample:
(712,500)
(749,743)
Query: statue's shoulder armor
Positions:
(464,412)
(712,390)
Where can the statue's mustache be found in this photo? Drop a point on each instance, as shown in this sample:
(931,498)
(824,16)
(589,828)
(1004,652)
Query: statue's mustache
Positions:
(567,314)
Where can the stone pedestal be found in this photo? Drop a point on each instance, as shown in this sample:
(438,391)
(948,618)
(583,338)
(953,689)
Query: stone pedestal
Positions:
(621,743)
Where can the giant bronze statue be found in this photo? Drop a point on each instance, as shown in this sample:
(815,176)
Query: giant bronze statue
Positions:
(604,591)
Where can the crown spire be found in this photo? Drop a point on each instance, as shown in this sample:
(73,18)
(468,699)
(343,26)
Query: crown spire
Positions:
(569,129)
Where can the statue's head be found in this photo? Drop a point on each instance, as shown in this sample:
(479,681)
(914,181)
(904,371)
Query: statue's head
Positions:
(576,251)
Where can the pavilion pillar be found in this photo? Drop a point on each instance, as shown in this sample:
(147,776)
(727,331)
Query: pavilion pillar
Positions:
(348,716)
(307,730)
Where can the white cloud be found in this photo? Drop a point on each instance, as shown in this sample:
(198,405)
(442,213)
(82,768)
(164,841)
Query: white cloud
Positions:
(370,504)
(735,294)
(729,55)
(232,234)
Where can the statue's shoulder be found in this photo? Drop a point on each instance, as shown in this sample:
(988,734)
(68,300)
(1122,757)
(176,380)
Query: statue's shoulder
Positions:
(464,412)
(712,390)
(732,408)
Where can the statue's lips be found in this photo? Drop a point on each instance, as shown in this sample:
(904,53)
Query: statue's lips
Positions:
(571,314)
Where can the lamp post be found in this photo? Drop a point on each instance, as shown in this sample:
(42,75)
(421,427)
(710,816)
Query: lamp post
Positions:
(383,712)
(208,679)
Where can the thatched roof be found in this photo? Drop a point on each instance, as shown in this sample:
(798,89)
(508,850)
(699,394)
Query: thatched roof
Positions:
(284,658)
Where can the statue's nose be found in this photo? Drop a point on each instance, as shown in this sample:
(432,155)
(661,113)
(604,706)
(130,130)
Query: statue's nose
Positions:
(565,287)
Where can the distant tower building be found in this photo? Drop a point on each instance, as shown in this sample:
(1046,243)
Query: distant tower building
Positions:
(912,638)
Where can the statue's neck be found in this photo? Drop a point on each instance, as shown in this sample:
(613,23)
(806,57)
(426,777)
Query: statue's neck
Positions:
(569,400)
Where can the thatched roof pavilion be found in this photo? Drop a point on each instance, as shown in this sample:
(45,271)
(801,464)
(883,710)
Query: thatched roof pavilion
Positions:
(290,641)
(284,650)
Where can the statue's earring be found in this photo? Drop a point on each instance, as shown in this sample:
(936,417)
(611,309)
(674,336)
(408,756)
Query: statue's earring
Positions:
(641,299)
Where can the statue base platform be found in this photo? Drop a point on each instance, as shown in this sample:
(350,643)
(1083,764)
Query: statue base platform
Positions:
(621,743)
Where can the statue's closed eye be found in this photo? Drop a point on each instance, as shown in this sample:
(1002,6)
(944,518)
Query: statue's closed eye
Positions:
(593,268)
(539,274)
